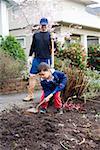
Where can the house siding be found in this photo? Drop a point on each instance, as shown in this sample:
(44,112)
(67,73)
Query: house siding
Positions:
(55,10)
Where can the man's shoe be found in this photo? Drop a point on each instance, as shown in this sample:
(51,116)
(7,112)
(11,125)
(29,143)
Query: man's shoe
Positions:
(28,98)
(60,111)
(43,110)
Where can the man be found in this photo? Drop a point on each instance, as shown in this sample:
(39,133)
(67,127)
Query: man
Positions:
(41,49)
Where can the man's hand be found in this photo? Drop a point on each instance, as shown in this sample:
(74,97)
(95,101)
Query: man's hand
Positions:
(30,59)
(48,97)
(53,36)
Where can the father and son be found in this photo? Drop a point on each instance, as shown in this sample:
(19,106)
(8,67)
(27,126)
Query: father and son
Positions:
(52,81)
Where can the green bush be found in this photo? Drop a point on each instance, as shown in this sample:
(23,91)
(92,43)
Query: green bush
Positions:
(74,52)
(94,83)
(13,48)
(9,67)
(94,56)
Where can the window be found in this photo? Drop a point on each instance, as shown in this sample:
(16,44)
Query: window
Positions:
(0,39)
(22,41)
(92,40)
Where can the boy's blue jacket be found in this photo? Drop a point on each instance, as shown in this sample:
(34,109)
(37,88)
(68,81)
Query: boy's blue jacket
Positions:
(57,83)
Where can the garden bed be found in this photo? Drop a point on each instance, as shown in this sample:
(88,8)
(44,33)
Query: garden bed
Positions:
(71,131)
(13,86)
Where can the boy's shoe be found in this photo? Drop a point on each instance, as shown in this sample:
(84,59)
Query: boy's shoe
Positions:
(60,111)
(43,110)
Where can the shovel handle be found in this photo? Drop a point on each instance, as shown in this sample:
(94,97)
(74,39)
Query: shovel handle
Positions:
(49,96)
(40,104)
(52,54)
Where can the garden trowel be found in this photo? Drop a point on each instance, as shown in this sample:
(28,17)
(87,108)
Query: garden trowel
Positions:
(36,109)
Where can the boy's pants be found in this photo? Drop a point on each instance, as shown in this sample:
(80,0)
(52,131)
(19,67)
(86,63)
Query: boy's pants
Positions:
(56,98)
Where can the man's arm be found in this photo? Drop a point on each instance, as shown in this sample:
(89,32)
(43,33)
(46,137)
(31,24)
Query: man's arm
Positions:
(32,49)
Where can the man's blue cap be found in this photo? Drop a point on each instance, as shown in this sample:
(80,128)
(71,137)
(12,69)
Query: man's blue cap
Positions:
(44,21)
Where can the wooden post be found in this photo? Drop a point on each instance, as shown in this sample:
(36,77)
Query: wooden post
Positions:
(52,53)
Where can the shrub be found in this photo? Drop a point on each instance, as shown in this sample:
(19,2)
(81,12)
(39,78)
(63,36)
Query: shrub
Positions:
(94,83)
(74,52)
(77,83)
(13,48)
(70,58)
(94,56)
(81,83)
(9,67)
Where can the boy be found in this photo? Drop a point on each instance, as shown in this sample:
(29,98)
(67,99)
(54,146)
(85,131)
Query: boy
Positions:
(52,82)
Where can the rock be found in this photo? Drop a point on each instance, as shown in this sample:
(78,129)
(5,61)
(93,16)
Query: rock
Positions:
(60,125)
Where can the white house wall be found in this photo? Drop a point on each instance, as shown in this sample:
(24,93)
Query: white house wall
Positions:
(4,26)
(54,10)
(76,13)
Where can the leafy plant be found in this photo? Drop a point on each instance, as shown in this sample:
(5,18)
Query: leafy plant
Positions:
(94,84)
(71,58)
(77,83)
(13,48)
(9,67)
(61,64)
(94,56)
(75,52)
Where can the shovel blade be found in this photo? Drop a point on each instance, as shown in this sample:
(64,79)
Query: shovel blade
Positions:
(33,110)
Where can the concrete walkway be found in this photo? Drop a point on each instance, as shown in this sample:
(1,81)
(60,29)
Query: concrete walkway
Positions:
(7,101)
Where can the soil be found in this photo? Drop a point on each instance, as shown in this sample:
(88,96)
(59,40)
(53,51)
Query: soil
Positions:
(74,130)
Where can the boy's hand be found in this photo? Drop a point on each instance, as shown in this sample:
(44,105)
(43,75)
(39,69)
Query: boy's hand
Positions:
(48,97)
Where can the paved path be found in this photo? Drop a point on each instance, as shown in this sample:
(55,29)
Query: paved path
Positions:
(7,101)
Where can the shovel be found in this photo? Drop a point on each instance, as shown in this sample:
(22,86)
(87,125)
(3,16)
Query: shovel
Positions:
(52,53)
(36,109)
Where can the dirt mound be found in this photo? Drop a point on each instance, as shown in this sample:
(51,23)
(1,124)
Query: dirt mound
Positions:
(70,131)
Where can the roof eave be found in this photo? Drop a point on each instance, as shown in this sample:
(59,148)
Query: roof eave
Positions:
(83,26)
(10,3)
(85,2)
